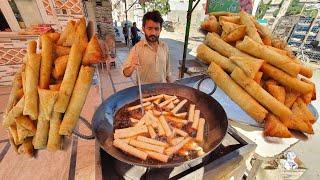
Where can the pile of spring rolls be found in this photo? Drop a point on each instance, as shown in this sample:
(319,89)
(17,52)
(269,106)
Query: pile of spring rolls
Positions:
(50,89)
(258,72)
(162,131)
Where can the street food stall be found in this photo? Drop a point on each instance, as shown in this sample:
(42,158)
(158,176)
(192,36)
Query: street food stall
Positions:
(58,124)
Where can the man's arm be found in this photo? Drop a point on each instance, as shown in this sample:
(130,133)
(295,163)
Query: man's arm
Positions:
(130,64)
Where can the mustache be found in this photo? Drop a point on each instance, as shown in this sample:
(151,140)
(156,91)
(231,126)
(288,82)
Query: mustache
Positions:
(152,36)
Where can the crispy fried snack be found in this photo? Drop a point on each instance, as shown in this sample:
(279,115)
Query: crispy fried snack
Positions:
(273,127)
(250,66)
(93,54)
(211,25)
(60,65)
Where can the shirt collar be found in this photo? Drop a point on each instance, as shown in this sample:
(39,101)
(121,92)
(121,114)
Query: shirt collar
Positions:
(145,43)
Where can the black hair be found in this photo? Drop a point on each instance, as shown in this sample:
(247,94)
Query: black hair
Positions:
(154,16)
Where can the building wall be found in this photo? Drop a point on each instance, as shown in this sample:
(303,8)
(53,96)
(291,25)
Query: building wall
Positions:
(29,12)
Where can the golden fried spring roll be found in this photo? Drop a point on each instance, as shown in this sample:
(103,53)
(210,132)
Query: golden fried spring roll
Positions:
(157,156)
(151,131)
(12,144)
(165,126)
(258,50)
(93,54)
(252,32)
(176,141)
(258,77)
(139,106)
(130,149)
(161,131)
(249,65)
(211,25)
(191,112)
(222,47)
(46,62)
(207,55)
(61,51)
(27,123)
(55,87)
(151,141)
(31,47)
(180,132)
(228,26)
(196,119)
(176,101)
(280,51)
(40,139)
(179,106)
(306,71)
(54,36)
(181,115)
(47,98)
(200,131)
(32,79)
(77,101)
(291,96)
(152,118)
(235,35)
(166,102)
(285,79)
(152,98)
(26,147)
(171,150)
(157,101)
(70,78)
(14,134)
(147,146)
(54,139)
(263,30)
(16,111)
(175,119)
(232,19)
(23,75)
(314,95)
(129,132)
(273,127)
(236,93)
(60,65)
(22,133)
(134,120)
(305,111)
(262,96)
(277,92)
(20,93)
(13,98)
(166,96)
(70,28)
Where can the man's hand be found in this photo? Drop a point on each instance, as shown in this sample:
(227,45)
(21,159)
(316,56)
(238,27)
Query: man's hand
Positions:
(134,62)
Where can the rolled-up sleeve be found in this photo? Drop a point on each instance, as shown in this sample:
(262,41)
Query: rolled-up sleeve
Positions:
(129,61)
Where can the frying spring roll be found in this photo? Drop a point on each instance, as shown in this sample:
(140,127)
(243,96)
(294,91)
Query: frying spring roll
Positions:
(129,149)
(208,55)
(181,115)
(251,29)
(151,141)
(166,102)
(46,62)
(32,79)
(179,106)
(157,156)
(69,78)
(216,43)
(54,140)
(16,111)
(129,132)
(191,112)
(152,133)
(40,139)
(286,80)
(138,106)
(176,120)
(262,96)
(180,132)
(165,126)
(26,147)
(196,119)
(77,101)
(152,98)
(200,130)
(147,146)
(171,150)
(47,98)
(236,93)
(258,50)
(176,141)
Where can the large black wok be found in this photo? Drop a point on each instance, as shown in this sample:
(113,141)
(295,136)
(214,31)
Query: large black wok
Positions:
(216,119)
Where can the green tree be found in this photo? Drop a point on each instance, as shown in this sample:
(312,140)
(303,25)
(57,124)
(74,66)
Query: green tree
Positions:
(262,9)
(162,6)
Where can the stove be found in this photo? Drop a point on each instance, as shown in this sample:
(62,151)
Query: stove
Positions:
(227,158)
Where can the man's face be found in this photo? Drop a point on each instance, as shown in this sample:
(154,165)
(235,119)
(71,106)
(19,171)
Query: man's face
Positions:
(152,31)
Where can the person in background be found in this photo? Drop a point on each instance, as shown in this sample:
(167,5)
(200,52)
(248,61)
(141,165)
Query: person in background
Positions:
(134,34)
(125,32)
(150,55)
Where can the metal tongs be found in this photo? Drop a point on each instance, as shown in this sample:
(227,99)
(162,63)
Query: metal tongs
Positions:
(139,84)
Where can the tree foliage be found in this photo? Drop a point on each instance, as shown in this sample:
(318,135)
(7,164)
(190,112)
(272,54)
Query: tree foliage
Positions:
(162,6)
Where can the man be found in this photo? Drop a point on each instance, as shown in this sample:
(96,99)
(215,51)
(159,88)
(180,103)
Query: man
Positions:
(125,32)
(150,55)
(134,34)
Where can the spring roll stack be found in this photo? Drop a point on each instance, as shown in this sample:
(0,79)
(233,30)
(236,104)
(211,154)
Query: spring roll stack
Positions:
(259,73)
(49,91)
(160,135)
